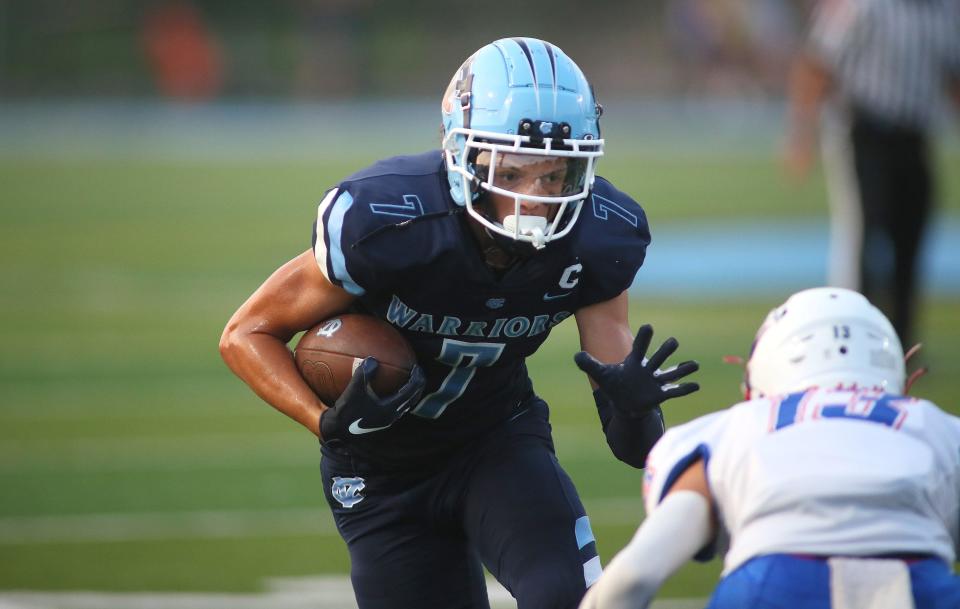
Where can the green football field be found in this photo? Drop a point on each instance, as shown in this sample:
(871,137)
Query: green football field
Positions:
(131,459)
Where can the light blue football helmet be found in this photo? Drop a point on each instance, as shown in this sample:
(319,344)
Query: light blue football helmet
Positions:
(521,98)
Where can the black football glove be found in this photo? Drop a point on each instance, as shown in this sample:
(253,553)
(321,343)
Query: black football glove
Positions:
(636,385)
(629,395)
(359,410)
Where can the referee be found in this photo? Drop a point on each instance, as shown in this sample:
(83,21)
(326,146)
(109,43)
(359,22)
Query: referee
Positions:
(878,69)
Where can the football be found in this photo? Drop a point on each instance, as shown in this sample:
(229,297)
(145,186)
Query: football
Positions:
(328,353)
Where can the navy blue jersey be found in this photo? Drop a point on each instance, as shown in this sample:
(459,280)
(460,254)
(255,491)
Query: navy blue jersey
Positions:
(392,236)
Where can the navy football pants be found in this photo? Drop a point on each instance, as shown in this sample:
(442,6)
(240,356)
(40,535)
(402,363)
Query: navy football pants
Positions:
(418,540)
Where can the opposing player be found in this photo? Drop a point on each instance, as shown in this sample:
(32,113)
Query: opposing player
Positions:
(832,489)
(474,252)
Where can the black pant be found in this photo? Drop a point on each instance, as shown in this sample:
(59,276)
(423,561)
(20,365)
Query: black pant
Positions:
(417,539)
(893,175)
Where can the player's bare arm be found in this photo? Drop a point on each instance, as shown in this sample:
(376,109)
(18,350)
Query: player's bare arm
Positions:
(628,387)
(254,343)
(810,81)
(605,330)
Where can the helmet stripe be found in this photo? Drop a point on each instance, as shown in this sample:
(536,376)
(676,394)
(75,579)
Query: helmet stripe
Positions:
(553,66)
(533,69)
(526,51)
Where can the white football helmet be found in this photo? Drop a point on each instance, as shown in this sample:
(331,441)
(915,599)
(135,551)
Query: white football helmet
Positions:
(825,337)
(521,103)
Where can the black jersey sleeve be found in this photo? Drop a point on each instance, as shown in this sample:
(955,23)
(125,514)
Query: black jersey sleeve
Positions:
(366,233)
(612,242)
(333,236)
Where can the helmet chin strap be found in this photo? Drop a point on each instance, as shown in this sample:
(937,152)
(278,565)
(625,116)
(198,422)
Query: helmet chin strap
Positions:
(916,374)
(529,226)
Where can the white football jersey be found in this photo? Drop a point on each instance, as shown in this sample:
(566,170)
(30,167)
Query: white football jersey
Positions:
(837,472)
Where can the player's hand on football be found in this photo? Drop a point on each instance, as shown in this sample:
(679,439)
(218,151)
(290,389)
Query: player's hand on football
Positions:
(636,385)
(359,410)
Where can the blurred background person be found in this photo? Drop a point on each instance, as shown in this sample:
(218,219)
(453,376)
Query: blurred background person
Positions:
(828,488)
(879,68)
(730,48)
(182,52)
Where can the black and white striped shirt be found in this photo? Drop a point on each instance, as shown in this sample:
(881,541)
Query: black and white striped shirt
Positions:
(891,58)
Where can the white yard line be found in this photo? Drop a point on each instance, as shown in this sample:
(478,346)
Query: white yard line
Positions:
(329,592)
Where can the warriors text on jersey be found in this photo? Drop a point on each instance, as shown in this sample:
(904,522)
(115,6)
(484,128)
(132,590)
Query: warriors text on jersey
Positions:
(392,236)
(823,472)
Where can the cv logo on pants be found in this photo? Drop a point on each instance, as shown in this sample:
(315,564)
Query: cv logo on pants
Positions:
(347,490)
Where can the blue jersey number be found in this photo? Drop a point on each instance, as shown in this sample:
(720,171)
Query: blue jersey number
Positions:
(410,208)
(875,409)
(463,358)
(602,208)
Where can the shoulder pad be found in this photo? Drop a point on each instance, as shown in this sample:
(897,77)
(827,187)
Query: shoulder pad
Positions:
(369,226)
(676,450)
(611,236)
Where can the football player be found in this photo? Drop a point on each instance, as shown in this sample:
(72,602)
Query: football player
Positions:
(474,252)
(828,488)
